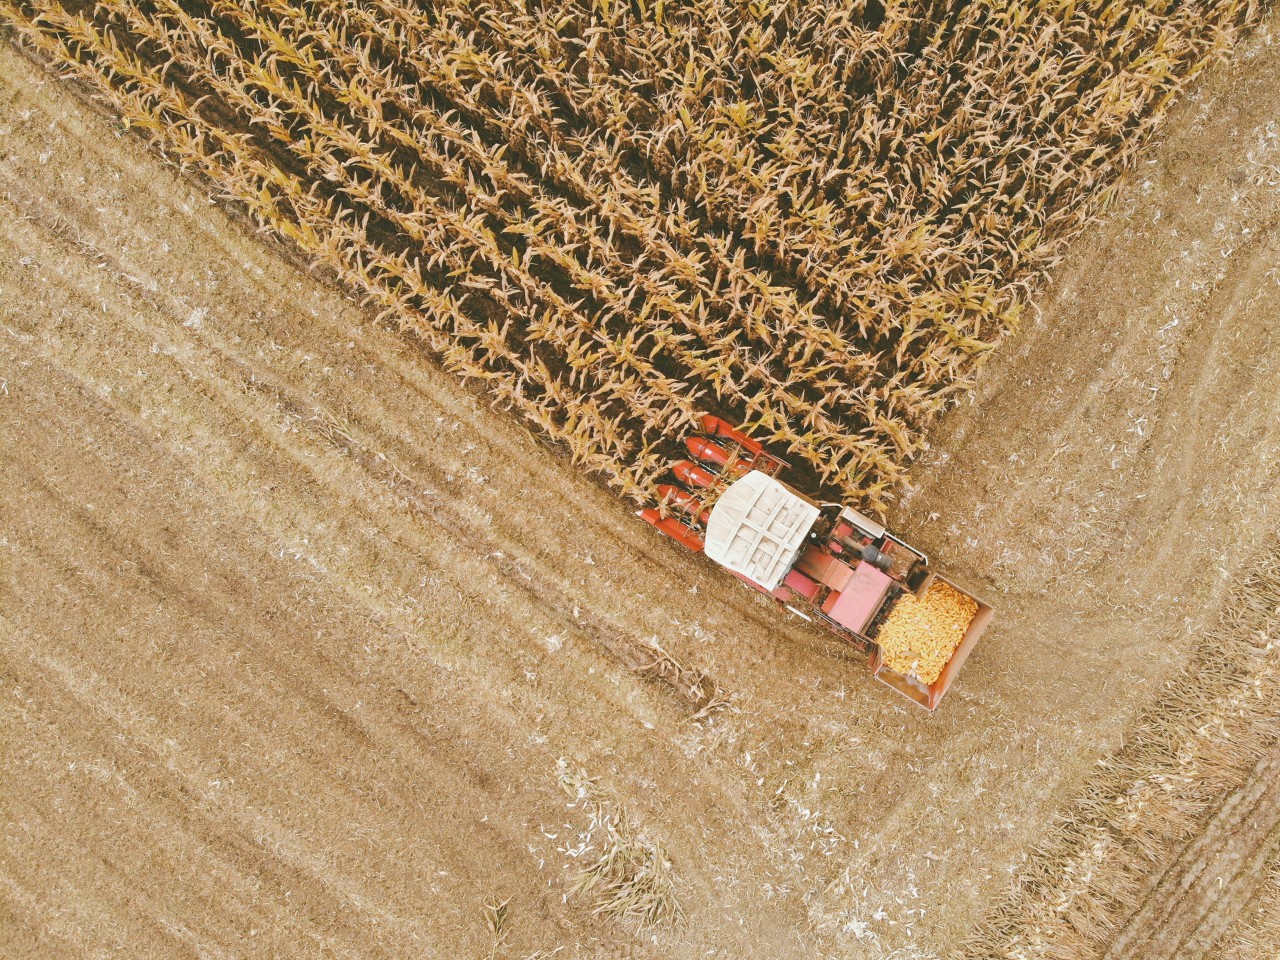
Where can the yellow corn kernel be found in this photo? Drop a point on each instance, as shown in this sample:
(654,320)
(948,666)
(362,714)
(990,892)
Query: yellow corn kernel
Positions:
(920,635)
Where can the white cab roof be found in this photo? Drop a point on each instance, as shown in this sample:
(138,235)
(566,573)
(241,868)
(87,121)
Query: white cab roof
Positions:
(757,528)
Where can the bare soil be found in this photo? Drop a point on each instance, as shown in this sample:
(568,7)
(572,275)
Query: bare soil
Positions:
(293,629)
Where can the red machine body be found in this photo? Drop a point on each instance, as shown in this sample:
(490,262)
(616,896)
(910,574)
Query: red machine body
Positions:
(827,563)
(847,590)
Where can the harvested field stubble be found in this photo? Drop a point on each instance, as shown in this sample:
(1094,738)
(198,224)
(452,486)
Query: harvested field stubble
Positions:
(1259,930)
(628,873)
(810,218)
(1197,774)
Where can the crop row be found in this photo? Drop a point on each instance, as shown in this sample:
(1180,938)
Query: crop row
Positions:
(812,218)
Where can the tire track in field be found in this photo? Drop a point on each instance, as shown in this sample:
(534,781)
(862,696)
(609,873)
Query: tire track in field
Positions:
(1218,386)
(1162,853)
(1258,930)
(1202,893)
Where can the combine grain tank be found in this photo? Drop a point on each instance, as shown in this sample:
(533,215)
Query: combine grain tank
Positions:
(826,562)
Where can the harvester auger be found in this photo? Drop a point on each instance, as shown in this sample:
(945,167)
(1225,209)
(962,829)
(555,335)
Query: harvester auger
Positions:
(825,562)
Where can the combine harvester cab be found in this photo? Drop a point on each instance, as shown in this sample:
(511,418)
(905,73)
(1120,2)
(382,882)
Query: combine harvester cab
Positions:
(825,562)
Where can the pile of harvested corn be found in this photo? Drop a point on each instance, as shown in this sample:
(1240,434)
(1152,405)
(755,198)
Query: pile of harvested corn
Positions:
(919,636)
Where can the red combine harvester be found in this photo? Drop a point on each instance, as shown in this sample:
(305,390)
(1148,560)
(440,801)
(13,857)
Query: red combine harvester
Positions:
(825,562)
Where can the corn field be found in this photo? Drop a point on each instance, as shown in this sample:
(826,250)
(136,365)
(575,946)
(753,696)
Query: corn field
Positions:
(812,218)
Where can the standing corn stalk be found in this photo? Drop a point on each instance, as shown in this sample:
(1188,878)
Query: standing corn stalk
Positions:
(815,218)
